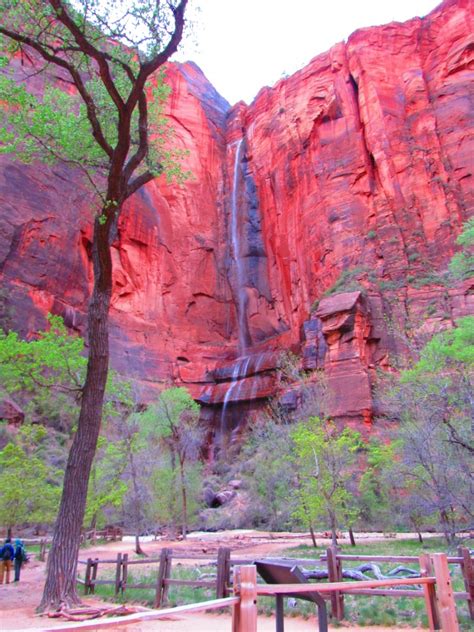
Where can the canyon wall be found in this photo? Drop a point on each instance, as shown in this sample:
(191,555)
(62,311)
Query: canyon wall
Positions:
(313,218)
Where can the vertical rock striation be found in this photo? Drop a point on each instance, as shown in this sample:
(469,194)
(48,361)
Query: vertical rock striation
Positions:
(355,172)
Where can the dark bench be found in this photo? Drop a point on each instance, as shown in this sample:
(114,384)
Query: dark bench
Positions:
(279,573)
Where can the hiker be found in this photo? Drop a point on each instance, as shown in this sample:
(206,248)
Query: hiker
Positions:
(20,558)
(6,556)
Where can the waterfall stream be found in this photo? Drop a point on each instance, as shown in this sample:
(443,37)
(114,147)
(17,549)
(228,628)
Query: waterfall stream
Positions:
(241,366)
(239,290)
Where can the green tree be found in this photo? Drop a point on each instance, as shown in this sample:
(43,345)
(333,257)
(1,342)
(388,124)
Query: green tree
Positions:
(109,53)
(106,487)
(462,264)
(176,424)
(376,485)
(28,493)
(325,458)
(266,467)
(44,375)
(434,405)
(167,501)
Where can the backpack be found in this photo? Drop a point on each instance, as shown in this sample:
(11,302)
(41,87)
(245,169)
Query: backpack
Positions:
(20,554)
(7,552)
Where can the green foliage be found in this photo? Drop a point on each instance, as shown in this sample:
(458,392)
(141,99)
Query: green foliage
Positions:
(172,427)
(448,349)
(106,487)
(27,493)
(462,264)
(375,486)
(44,375)
(173,416)
(166,506)
(53,358)
(348,281)
(76,123)
(371,234)
(267,471)
(433,403)
(325,459)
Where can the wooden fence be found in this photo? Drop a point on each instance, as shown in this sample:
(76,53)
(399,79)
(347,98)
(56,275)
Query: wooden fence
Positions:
(222,584)
(335,559)
(437,592)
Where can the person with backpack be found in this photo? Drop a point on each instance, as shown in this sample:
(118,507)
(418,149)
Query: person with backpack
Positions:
(20,557)
(6,556)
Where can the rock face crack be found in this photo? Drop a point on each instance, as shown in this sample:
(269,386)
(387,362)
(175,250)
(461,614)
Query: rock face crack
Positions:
(362,159)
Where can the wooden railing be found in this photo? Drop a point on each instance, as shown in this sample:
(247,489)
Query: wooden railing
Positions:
(120,581)
(335,559)
(153,615)
(222,584)
(437,590)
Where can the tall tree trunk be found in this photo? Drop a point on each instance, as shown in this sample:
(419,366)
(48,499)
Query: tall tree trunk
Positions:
(332,519)
(351,537)
(184,527)
(313,536)
(138,546)
(60,587)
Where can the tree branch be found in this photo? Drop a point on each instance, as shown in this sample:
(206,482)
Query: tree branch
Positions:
(59,61)
(142,150)
(140,181)
(158,60)
(87,48)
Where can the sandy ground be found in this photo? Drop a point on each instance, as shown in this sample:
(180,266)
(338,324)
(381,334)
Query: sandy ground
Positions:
(19,600)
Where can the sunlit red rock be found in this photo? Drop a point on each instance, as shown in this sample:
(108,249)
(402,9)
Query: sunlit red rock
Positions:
(362,160)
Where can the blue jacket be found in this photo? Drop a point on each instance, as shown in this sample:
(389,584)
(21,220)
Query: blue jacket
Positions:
(6,548)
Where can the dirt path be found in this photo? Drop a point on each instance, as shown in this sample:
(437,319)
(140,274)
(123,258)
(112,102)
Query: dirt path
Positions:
(19,600)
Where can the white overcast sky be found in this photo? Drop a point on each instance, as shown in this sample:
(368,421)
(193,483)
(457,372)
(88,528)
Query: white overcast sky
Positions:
(243,45)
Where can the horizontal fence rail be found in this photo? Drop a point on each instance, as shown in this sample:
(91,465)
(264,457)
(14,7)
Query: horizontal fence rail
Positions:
(153,615)
(225,567)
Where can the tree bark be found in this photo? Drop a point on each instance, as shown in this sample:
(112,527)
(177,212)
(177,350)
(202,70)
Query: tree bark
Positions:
(184,527)
(60,587)
(351,537)
(138,546)
(313,537)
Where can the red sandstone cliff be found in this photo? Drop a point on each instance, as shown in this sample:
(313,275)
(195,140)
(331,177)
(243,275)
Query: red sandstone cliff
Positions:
(360,163)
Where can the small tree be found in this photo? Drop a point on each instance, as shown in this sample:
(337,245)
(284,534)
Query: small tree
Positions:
(27,493)
(176,417)
(266,467)
(434,405)
(106,487)
(325,458)
(462,264)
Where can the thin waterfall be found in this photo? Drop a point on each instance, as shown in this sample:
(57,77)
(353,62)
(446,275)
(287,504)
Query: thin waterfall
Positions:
(240,367)
(240,292)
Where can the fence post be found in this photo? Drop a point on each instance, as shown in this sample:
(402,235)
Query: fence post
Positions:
(335,575)
(95,568)
(160,577)
(118,573)
(444,594)
(467,569)
(123,583)
(426,570)
(244,614)
(223,567)
(167,575)
(87,578)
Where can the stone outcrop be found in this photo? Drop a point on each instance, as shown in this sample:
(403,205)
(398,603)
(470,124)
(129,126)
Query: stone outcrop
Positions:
(357,170)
